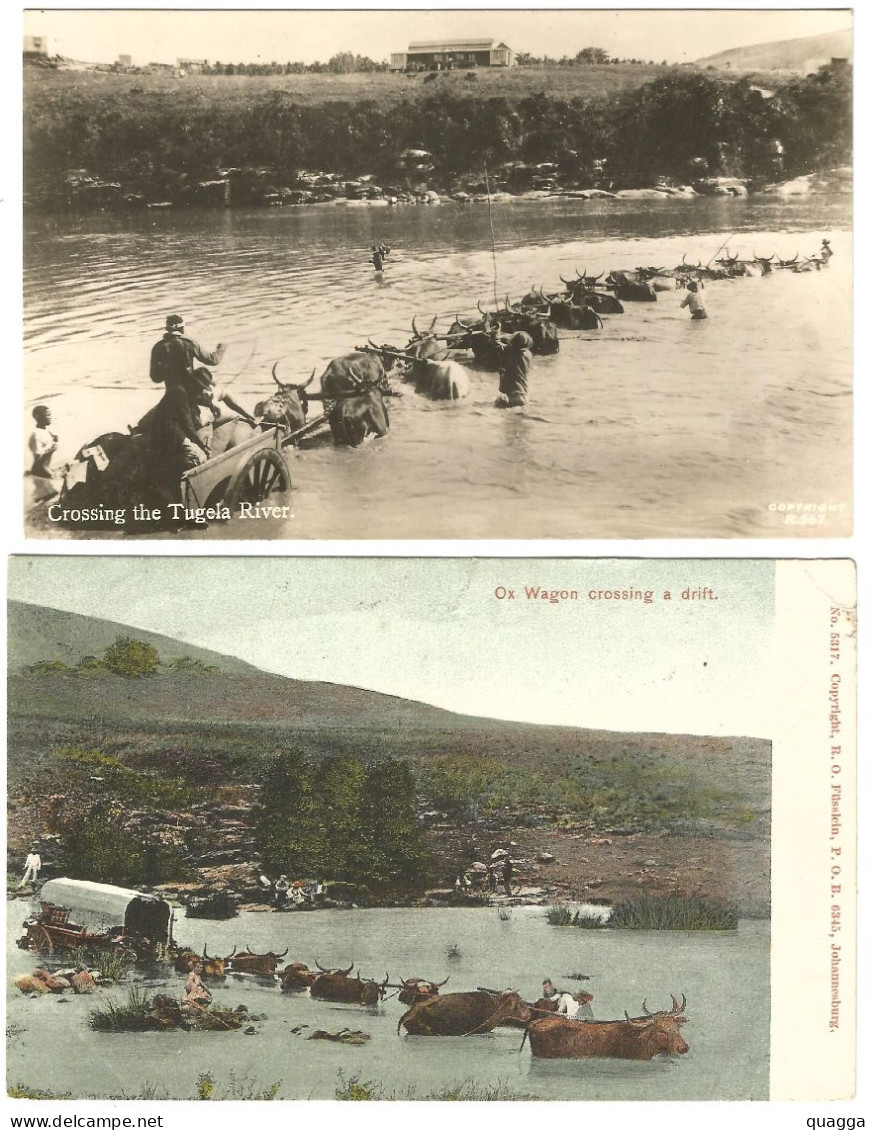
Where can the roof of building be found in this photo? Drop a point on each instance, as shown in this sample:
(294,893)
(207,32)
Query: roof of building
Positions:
(457,45)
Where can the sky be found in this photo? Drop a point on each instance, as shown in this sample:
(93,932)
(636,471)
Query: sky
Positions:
(435,631)
(675,35)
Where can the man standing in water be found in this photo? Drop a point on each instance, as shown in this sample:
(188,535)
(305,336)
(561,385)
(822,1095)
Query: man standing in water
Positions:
(42,442)
(514,371)
(694,299)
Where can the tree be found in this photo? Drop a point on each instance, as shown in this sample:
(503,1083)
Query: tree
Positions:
(288,826)
(592,55)
(131,658)
(395,852)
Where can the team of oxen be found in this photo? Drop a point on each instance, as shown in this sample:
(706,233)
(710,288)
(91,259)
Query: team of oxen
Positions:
(431,1013)
(353,389)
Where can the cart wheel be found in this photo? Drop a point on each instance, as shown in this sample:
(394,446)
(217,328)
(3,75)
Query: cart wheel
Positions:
(41,939)
(263,474)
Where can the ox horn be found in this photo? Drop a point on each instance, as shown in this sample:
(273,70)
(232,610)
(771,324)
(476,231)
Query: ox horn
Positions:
(566,281)
(414,327)
(434,320)
(627,1017)
(684,256)
(677,1009)
(578,273)
(438,984)
(248,950)
(346,972)
(307,383)
(794,260)
(204,955)
(283,954)
(386,982)
(274,374)
(376,348)
(321,967)
(645,1008)
(596,278)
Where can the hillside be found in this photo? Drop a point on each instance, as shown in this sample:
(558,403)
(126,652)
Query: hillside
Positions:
(217,734)
(34,633)
(802,55)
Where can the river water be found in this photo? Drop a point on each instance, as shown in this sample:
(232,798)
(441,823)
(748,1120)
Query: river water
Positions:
(656,426)
(724,976)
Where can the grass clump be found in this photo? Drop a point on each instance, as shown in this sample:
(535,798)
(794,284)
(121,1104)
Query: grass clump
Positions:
(559,915)
(356,1089)
(673,912)
(17,1091)
(131,1016)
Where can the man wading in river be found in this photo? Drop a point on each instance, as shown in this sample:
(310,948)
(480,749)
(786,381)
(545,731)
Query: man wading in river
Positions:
(514,371)
(694,299)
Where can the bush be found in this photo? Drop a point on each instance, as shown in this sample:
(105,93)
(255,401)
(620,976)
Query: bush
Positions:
(131,658)
(47,667)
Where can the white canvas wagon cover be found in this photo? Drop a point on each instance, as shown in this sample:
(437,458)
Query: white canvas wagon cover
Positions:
(99,906)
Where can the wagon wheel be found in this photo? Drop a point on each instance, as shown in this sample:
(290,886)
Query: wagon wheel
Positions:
(263,474)
(41,939)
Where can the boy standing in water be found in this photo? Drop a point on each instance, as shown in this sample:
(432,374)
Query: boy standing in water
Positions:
(694,299)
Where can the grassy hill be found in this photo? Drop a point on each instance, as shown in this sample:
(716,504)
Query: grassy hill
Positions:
(700,804)
(233,722)
(801,54)
(34,633)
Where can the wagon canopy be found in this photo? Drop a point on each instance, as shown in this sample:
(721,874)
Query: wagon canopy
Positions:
(99,906)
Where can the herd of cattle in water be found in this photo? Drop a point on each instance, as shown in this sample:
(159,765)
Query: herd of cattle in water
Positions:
(430,1013)
(355,386)
(477,1012)
(551,1034)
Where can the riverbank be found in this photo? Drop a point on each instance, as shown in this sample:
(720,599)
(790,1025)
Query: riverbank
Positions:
(127,141)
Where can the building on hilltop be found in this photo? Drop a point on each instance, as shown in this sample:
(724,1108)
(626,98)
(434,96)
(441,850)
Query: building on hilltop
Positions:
(441,55)
(36,46)
(192,66)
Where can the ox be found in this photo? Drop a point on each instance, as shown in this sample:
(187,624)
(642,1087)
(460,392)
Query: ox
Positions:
(415,989)
(287,407)
(296,977)
(338,986)
(354,417)
(260,964)
(439,380)
(350,372)
(628,287)
(574,316)
(545,339)
(465,1014)
(642,1037)
(210,966)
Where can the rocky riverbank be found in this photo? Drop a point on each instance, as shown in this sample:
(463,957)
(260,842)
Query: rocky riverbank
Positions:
(550,864)
(265,187)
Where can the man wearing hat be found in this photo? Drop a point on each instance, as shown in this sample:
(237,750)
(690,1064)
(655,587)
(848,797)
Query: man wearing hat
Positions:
(826,253)
(175,355)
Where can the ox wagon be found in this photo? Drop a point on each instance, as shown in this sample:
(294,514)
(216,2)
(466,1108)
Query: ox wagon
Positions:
(250,472)
(75,914)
